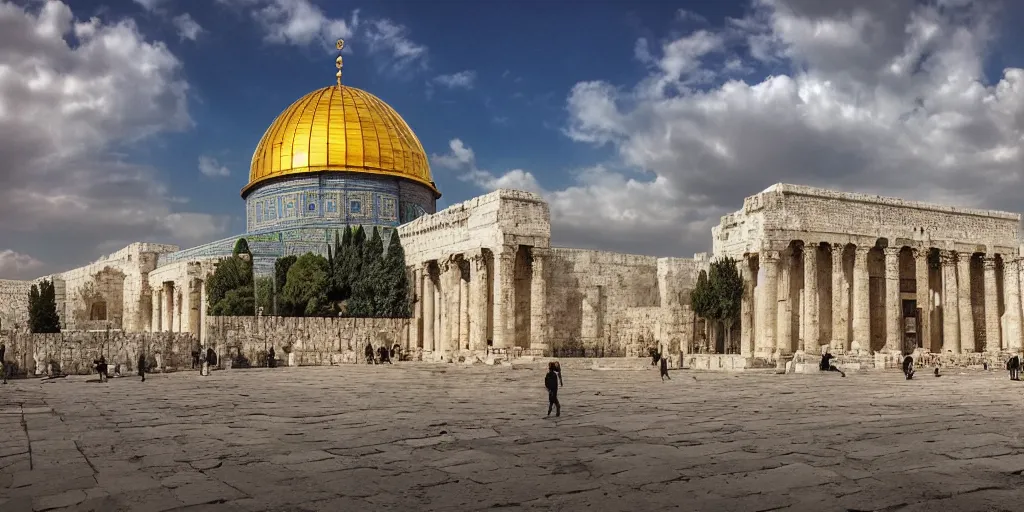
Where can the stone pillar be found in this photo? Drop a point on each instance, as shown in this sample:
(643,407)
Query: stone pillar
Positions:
(416,329)
(840,300)
(964,292)
(463,308)
(767,327)
(203,329)
(950,304)
(747,309)
(428,309)
(157,310)
(993,338)
(811,331)
(539,303)
(784,310)
(167,318)
(924,298)
(861,302)
(893,304)
(1011,287)
(478,302)
(504,297)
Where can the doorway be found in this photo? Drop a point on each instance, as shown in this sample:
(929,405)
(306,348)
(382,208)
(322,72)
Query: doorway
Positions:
(909,323)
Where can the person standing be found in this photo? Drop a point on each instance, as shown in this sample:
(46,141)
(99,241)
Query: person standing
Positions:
(551,383)
(271,358)
(142,366)
(558,370)
(3,361)
(664,370)
(1013,365)
(368,352)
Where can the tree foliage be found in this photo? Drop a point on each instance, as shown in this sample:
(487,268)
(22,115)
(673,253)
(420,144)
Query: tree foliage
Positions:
(281,268)
(717,296)
(42,308)
(307,285)
(230,290)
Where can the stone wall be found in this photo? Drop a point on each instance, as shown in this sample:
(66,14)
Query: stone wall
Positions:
(315,341)
(74,352)
(14,304)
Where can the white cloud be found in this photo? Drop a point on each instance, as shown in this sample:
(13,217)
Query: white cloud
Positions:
(77,105)
(149,5)
(886,97)
(460,80)
(210,167)
(392,41)
(18,266)
(187,27)
(460,158)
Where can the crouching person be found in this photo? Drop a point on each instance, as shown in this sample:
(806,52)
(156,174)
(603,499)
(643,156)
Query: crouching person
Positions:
(908,367)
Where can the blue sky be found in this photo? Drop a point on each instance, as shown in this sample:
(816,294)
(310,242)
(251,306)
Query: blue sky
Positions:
(641,123)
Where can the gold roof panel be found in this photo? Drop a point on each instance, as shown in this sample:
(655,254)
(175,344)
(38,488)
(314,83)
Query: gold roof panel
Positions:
(339,128)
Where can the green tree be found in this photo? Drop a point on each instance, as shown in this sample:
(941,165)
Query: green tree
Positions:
(395,303)
(265,294)
(233,274)
(726,286)
(42,308)
(369,290)
(307,284)
(281,268)
(241,247)
(702,301)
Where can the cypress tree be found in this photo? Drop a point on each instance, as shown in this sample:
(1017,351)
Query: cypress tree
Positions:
(33,309)
(396,302)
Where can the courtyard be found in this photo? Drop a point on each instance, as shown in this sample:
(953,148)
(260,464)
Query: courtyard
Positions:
(417,436)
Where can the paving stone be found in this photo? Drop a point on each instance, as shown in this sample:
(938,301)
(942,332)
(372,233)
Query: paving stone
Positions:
(415,437)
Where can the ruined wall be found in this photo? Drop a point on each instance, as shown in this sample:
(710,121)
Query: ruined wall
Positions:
(315,341)
(493,221)
(74,352)
(14,304)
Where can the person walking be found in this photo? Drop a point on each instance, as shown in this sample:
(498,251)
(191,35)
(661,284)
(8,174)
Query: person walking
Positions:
(551,383)
(142,366)
(664,370)
(558,370)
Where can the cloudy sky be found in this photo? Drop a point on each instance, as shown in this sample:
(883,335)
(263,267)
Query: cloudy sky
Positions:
(640,122)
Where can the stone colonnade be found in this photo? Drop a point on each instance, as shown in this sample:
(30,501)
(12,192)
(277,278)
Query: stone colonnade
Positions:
(811,295)
(179,308)
(484,298)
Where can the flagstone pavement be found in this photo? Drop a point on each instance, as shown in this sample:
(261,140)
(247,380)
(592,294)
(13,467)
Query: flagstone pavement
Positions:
(416,436)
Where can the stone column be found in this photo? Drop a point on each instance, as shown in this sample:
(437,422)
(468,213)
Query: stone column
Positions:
(950,304)
(893,304)
(428,308)
(861,302)
(504,297)
(993,338)
(811,331)
(784,311)
(539,303)
(840,300)
(415,328)
(167,319)
(463,307)
(767,328)
(747,309)
(157,309)
(924,298)
(203,336)
(1011,287)
(477,302)
(966,314)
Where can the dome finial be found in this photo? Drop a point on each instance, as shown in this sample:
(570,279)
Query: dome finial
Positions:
(338,63)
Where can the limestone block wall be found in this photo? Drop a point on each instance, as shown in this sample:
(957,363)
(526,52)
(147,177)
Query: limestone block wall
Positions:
(315,341)
(500,218)
(74,352)
(14,304)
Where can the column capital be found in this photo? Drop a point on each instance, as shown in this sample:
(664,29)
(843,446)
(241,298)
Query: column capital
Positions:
(837,246)
(540,252)
(920,253)
(810,253)
(891,252)
(989,261)
(947,257)
(770,255)
(861,250)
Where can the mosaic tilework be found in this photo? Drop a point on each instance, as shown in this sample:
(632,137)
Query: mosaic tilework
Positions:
(347,199)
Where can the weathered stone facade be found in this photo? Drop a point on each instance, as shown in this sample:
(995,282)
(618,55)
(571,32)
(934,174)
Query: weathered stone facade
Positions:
(863,274)
(74,352)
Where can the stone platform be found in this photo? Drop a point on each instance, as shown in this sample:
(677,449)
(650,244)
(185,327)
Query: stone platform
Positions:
(418,436)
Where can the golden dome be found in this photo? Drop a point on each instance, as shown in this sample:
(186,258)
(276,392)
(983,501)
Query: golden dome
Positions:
(339,128)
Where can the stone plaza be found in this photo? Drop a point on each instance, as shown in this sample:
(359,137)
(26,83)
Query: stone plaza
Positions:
(421,436)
